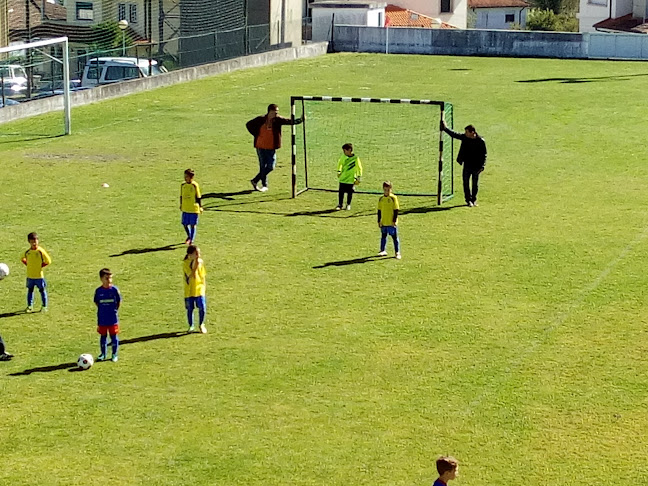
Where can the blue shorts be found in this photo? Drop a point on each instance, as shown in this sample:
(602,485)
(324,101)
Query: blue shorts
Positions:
(189,219)
(36,282)
(193,302)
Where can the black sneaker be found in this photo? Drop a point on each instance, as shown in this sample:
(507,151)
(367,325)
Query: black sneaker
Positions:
(5,356)
(254,185)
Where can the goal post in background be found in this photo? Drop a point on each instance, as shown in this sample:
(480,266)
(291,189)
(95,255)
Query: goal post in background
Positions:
(396,139)
(32,56)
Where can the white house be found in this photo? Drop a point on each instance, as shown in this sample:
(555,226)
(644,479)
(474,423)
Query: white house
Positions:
(350,12)
(497,14)
(613,16)
(453,12)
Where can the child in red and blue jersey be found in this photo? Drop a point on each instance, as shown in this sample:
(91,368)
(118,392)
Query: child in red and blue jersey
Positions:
(107,299)
(447,467)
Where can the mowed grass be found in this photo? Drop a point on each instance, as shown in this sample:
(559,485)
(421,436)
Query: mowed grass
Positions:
(512,335)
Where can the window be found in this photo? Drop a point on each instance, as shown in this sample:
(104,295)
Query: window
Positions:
(446,6)
(132,13)
(509,18)
(598,2)
(121,72)
(84,11)
(121,11)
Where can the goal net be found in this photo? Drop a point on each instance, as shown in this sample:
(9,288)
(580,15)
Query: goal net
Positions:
(396,139)
(28,73)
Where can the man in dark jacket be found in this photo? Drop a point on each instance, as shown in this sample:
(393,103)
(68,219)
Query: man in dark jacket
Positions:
(472,155)
(266,131)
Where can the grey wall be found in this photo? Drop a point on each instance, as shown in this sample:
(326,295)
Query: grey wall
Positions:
(99,93)
(474,42)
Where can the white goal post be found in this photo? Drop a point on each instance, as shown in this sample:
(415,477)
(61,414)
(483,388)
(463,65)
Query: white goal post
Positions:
(65,61)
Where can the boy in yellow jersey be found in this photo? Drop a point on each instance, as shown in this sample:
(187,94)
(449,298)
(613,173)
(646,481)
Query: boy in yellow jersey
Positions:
(194,273)
(388,219)
(35,258)
(349,172)
(190,205)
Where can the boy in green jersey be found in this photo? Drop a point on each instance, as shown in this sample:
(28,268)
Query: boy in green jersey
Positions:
(349,172)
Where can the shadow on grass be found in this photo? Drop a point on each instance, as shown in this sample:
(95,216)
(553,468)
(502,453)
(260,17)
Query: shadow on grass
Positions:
(74,367)
(226,196)
(216,207)
(591,79)
(137,251)
(154,337)
(45,369)
(12,314)
(354,261)
(26,137)
(430,209)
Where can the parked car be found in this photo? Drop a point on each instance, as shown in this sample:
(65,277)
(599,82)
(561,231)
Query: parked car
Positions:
(14,79)
(8,102)
(107,70)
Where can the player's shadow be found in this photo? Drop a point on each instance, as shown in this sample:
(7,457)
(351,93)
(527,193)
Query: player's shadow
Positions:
(137,251)
(226,196)
(429,209)
(154,337)
(619,77)
(46,369)
(74,367)
(25,137)
(354,261)
(12,314)
(319,212)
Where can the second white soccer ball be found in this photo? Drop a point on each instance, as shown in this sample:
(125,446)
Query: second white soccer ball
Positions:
(85,361)
(4,270)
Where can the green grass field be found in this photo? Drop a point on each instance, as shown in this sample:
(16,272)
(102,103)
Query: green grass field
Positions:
(512,335)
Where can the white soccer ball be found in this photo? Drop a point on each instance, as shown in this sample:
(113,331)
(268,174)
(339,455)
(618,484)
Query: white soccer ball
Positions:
(4,270)
(85,361)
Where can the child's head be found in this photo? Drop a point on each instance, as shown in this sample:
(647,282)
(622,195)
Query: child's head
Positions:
(347,148)
(193,252)
(189,175)
(106,277)
(33,240)
(447,468)
(387,188)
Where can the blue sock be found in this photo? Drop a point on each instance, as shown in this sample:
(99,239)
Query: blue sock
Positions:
(30,297)
(103,344)
(192,232)
(186,228)
(190,317)
(44,297)
(114,342)
(201,314)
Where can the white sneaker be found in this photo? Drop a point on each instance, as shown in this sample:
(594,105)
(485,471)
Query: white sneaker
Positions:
(398,256)
(203,329)
(382,253)
(348,208)
(264,189)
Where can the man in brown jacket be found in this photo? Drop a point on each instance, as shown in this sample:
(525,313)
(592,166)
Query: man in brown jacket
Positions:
(266,131)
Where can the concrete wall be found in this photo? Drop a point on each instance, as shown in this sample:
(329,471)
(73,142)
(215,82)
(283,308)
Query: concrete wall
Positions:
(116,90)
(561,45)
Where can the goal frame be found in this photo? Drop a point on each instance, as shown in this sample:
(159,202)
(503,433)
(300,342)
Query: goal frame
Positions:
(67,111)
(442,105)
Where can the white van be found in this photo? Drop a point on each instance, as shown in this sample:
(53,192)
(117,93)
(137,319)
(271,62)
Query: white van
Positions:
(14,79)
(106,70)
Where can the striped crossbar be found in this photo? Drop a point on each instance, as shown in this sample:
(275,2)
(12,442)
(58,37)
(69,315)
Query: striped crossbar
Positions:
(367,100)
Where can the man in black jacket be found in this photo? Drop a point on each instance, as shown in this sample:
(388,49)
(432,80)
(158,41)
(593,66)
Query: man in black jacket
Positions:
(472,155)
(266,131)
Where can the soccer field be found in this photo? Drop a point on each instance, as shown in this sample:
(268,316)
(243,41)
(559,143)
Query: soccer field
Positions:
(512,335)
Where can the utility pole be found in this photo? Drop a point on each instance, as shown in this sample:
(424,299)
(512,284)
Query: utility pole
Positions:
(30,75)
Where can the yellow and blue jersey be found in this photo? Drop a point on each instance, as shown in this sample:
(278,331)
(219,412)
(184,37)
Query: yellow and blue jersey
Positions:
(195,283)
(36,260)
(386,206)
(190,197)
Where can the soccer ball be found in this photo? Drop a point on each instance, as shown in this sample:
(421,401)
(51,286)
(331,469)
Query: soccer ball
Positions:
(4,270)
(85,361)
